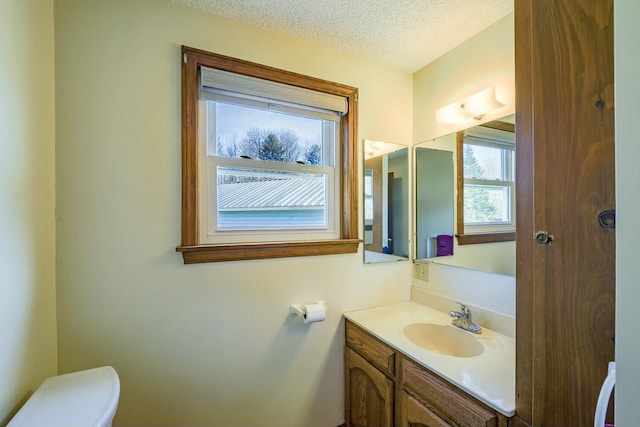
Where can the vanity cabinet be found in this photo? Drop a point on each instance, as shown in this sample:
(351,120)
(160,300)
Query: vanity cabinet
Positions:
(386,388)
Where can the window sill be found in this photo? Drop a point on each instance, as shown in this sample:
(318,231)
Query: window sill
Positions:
(472,239)
(248,251)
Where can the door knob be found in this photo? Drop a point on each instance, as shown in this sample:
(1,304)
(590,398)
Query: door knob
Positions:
(543,237)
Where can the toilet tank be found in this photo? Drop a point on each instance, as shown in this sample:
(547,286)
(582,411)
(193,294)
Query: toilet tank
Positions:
(80,399)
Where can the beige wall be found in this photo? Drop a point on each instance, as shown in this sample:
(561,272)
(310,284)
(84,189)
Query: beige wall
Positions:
(27,200)
(485,59)
(199,345)
(627,63)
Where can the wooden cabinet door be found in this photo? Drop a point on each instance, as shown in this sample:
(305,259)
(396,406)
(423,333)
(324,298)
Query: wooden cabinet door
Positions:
(565,170)
(415,414)
(369,393)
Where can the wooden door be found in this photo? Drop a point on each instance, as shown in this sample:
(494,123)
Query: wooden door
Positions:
(565,300)
(369,400)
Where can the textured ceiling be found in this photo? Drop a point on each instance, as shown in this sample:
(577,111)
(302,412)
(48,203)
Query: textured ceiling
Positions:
(406,34)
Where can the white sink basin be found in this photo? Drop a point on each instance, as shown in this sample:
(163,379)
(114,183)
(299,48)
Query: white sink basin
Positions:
(444,339)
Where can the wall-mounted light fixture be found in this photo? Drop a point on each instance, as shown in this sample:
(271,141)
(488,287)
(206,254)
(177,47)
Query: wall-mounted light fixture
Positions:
(473,107)
(372,148)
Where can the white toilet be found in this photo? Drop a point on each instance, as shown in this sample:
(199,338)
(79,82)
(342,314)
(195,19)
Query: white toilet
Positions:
(80,399)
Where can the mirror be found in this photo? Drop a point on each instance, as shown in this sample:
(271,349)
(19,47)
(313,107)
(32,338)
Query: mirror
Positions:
(386,202)
(436,211)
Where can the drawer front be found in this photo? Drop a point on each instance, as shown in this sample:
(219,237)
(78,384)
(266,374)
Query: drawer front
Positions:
(376,352)
(444,399)
(415,414)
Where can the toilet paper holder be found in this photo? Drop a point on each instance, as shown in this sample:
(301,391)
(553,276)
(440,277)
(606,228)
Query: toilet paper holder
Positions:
(303,311)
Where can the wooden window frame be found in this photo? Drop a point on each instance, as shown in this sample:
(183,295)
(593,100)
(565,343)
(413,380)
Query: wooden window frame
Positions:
(192,251)
(475,238)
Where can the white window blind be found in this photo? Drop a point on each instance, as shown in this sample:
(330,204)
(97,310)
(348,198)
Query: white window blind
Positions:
(226,83)
(489,137)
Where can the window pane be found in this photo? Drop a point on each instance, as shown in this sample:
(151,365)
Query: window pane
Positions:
(486,204)
(263,134)
(368,197)
(482,162)
(266,199)
(368,210)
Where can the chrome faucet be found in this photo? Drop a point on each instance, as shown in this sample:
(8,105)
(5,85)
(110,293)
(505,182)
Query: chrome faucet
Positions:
(462,319)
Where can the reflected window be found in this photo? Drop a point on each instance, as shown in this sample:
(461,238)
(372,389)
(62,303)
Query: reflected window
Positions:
(368,207)
(486,187)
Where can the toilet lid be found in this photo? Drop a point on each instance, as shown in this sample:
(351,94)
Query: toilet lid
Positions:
(80,399)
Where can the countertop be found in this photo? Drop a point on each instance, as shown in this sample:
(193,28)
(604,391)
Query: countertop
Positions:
(489,377)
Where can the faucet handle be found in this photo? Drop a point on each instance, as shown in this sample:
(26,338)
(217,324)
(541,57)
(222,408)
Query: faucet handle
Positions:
(463,320)
(464,309)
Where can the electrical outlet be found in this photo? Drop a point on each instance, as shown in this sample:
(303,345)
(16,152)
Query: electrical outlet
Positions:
(421,271)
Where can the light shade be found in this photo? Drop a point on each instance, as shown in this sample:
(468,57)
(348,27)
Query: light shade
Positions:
(473,107)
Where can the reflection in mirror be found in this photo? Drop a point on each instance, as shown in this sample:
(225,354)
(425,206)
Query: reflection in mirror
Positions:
(386,202)
(486,183)
(495,257)
(434,202)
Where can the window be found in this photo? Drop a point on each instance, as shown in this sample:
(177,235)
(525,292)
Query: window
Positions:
(368,206)
(486,183)
(269,162)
